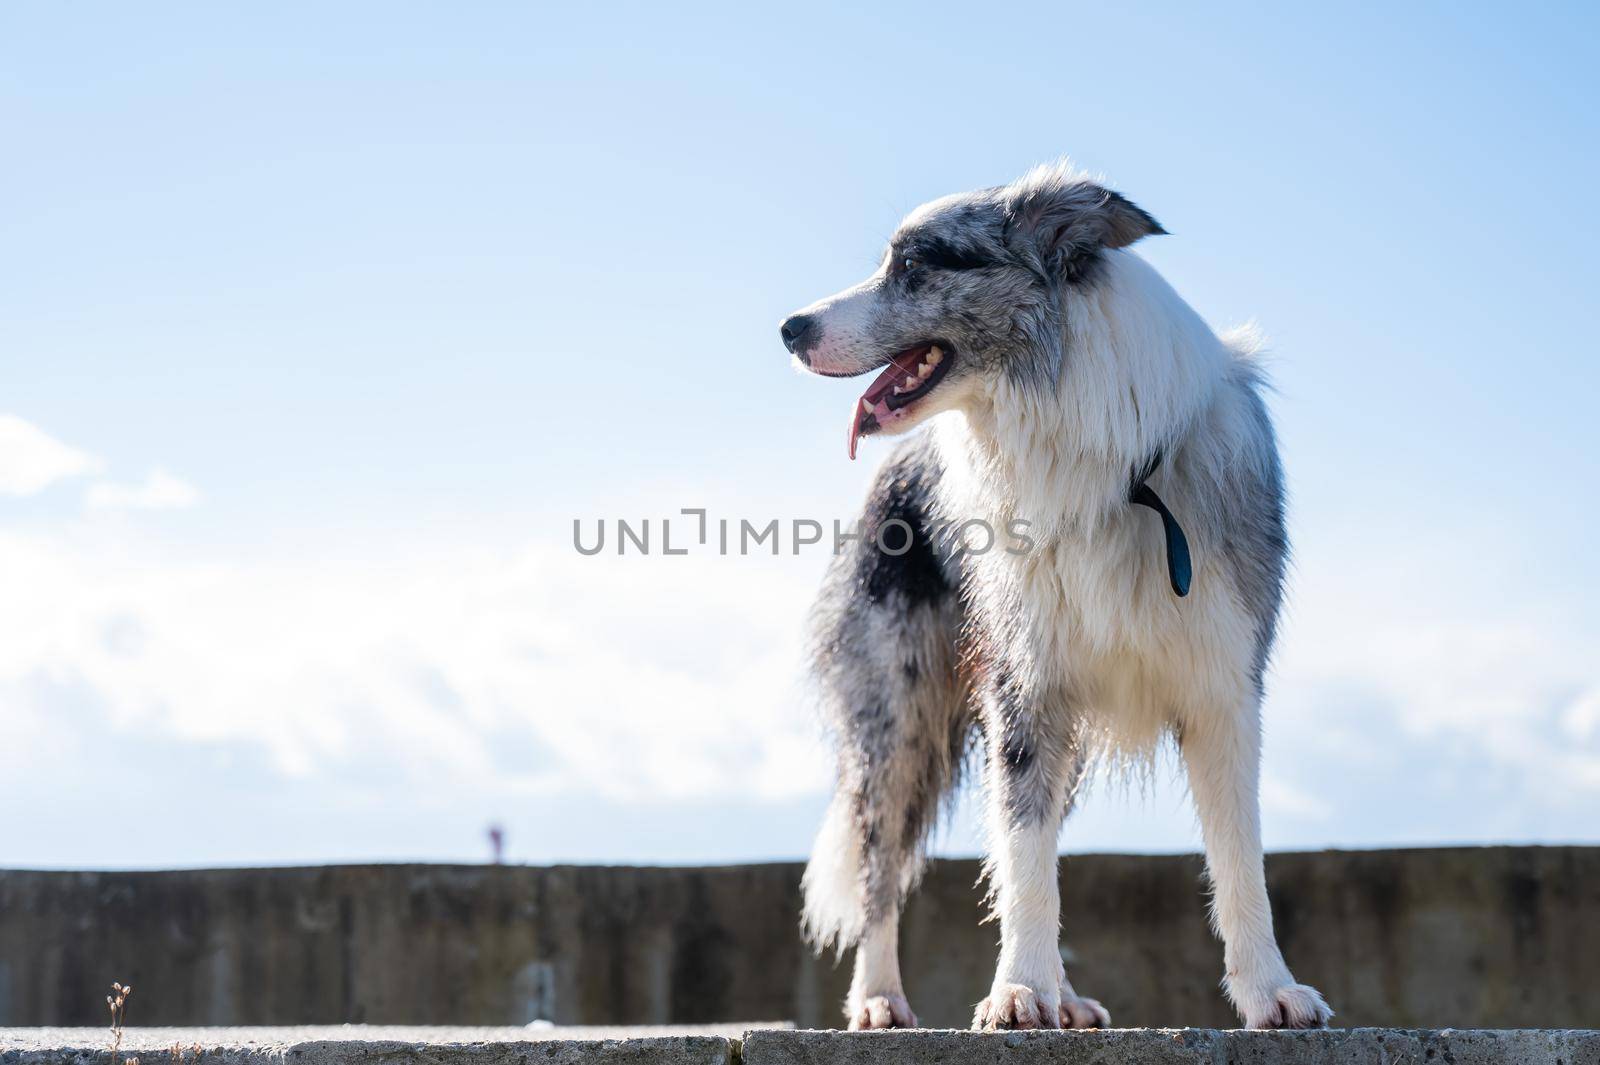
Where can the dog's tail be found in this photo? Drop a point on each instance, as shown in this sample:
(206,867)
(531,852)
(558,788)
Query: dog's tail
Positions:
(833,884)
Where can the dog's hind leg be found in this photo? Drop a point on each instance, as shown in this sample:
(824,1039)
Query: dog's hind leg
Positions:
(886,664)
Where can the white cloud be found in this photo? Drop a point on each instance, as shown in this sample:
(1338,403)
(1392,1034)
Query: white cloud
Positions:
(1390,658)
(637,678)
(31,460)
(1581,719)
(398,673)
(159,490)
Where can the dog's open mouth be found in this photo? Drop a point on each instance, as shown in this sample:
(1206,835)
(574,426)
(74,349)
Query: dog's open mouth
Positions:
(910,376)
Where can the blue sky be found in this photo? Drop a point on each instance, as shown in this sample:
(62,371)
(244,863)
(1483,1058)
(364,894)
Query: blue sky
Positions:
(318,327)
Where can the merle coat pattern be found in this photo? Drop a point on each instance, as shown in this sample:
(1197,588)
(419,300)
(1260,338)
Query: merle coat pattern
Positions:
(1065,368)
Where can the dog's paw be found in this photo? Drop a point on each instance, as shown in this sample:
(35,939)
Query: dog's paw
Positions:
(1080,1012)
(881,1011)
(1012,1006)
(1290,1006)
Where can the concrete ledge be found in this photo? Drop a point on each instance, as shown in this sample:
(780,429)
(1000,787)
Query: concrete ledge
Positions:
(1180,1046)
(731,1045)
(375,1045)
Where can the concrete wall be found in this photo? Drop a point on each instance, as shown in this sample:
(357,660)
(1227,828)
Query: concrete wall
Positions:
(1491,937)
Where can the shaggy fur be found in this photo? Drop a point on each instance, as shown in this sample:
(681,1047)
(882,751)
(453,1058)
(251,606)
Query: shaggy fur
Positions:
(1075,367)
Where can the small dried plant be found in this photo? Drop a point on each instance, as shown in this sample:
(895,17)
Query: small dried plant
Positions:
(117,1003)
(186,1055)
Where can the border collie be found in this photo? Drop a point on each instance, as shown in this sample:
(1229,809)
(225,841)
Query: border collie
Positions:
(1084,399)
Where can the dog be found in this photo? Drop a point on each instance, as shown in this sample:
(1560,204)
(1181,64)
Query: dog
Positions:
(1085,402)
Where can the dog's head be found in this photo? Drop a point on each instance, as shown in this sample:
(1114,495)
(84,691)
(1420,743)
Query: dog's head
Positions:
(969,288)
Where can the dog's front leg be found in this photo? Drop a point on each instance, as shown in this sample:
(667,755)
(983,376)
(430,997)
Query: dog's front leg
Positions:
(1222,754)
(877,999)
(1031,772)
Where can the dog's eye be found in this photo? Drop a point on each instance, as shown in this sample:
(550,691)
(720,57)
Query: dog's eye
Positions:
(908,264)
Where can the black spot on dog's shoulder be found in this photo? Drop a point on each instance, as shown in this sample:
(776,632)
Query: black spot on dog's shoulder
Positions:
(899,556)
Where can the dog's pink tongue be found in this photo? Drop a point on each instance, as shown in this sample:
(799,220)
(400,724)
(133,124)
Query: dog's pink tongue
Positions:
(875,397)
(880,411)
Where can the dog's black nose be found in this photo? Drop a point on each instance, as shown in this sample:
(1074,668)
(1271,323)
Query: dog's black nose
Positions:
(796,331)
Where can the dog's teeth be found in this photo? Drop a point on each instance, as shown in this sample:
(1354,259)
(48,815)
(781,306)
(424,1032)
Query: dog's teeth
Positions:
(911,382)
(925,369)
(934,355)
(866,405)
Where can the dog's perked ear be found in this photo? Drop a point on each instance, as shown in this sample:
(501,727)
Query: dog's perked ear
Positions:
(1062,217)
